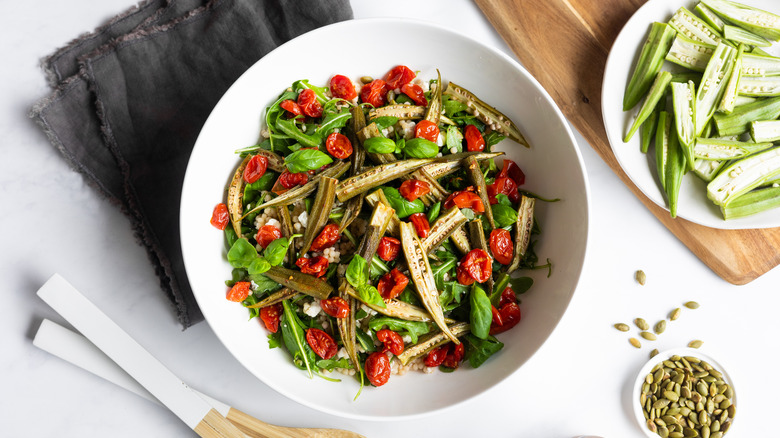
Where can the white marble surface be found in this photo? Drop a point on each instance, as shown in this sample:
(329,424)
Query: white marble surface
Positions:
(578,383)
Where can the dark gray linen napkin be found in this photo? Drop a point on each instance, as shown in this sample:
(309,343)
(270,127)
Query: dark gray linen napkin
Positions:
(131,98)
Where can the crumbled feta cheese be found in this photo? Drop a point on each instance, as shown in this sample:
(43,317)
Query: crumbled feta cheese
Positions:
(303,218)
(312,308)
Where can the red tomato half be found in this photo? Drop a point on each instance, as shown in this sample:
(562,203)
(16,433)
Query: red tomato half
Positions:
(267,234)
(374,93)
(342,88)
(291,107)
(392,284)
(327,238)
(336,307)
(501,246)
(421,225)
(503,185)
(388,249)
(427,130)
(507,296)
(289,180)
(338,145)
(512,170)
(321,343)
(255,168)
(454,355)
(416,93)
(220,216)
(474,140)
(316,266)
(465,199)
(307,100)
(239,291)
(411,189)
(392,340)
(378,368)
(399,76)
(270,316)
(510,316)
(436,356)
(478,265)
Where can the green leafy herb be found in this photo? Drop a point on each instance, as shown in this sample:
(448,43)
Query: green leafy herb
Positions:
(452,295)
(492,138)
(369,295)
(333,121)
(264,284)
(305,160)
(241,254)
(434,211)
(319,92)
(295,339)
(258,266)
(357,275)
(503,199)
(413,329)
(421,148)
(365,340)
(230,237)
(288,127)
(452,106)
(402,206)
(332,364)
(481,349)
(274,340)
(385,121)
(378,267)
(379,145)
(504,215)
(481,314)
(276,250)
(454,139)
(521,284)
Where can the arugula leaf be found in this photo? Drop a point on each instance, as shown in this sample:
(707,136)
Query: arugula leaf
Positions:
(402,206)
(274,340)
(442,268)
(369,295)
(264,284)
(452,295)
(452,106)
(454,139)
(303,84)
(521,284)
(385,121)
(241,254)
(421,148)
(378,267)
(332,364)
(481,314)
(305,160)
(413,329)
(288,127)
(492,138)
(365,340)
(357,274)
(295,339)
(481,349)
(504,216)
(333,121)
(276,250)
(250,300)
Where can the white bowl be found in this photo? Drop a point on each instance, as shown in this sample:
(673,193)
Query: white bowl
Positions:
(660,357)
(553,168)
(693,204)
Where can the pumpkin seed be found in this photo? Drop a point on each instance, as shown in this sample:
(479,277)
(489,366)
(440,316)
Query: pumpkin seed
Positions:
(660,403)
(660,326)
(366,79)
(653,353)
(641,277)
(641,323)
(635,342)
(676,435)
(674,314)
(705,431)
(716,435)
(649,336)
(692,359)
(622,327)
(695,343)
(663,432)
(671,396)
(692,305)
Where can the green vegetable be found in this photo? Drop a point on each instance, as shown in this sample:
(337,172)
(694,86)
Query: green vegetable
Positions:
(710,17)
(755,20)
(433,212)
(647,130)
(296,280)
(504,215)
(688,24)
(454,139)
(420,148)
(333,121)
(305,160)
(707,169)
(675,169)
(379,145)
(332,364)
(289,128)
(376,176)
(662,136)
(684,98)
(402,206)
(759,87)
(762,131)
(731,92)
(276,250)
(712,87)
(383,122)
(481,314)
(357,271)
(738,122)
(258,266)
(480,350)
(319,212)
(752,202)
(739,35)
(719,149)
(743,175)
(241,254)
(369,295)
(295,339)
(657,91)
(693,55)
(413,329)
(650,60)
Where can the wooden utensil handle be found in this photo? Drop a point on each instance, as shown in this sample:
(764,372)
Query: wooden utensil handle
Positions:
(215,425)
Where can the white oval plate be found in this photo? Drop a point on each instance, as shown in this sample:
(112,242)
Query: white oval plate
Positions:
(693,204)
(553,168)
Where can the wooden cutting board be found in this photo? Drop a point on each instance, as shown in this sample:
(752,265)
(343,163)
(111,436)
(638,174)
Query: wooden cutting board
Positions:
(564,44)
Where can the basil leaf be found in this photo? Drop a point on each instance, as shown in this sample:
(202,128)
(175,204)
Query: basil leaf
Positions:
(481,349)
(469,213)
(230,237)
(258,266)
(402,206)
(503,199)
(521,284)
(400,144)
(454,139)
(481,314)
(264,284)
(385,121)
(369,295)
(411,328)
(294,338)
(305,160)
(433,213)
(357,274)
(421,148)
(503,215)
(441,269)
(276,250)
(241,254)
(379,145)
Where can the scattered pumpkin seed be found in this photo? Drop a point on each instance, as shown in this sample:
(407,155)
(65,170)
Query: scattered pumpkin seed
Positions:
(692,305)
(653,353)
(366,79)
(649,336)
(660,326)
(642,324)
(641,277)
(674,314)
(695,343)
(635,342)
(622,327)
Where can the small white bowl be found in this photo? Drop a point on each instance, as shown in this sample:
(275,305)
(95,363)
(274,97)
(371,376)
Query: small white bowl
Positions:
(660,357)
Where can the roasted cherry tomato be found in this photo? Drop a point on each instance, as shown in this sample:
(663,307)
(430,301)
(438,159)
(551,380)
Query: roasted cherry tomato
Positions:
(398,76)
(421,225)
(436,356)
(270,316)
(374,93)
(512,170)
(474,140)
(465,199)
(510,316)
(501,246)
(321,343)
(392,340)
(255,168)
(503,185)
(289,180)
(342,88)
(327,238)
(392,284)
(220,216)
(507,296)
(291,107)
(412,189)
(416,93)
(338,145)
(336,307)
(454,355)
(316,266)
(267,234)
(307,100)
(498,320)
(478,264)
(378,368)
(239,291)
(427,130)
(463,276)
(388,249)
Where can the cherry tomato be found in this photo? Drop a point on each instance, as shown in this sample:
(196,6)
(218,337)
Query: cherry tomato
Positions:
(392,340)
(392,284)
(338,145)
(220,216)
(327,238)
(239,291)
(267,234)
(503,185)
(421,225)
(478,264)
(388,249)
(454,356)
(309,104)
(255,168)
(321,343)
(374,93)
(291,107)
(398,76)
(289,180)
(464,277)
(270,316)
(501,246)
(378,368)
(427,130)
(316,266)
(416,93)
(336,307)
(342,88)
(510,316)
(474,140)
(507,296)
(498,320)
(512,170)
(465,199)
(412,189)
(436,356)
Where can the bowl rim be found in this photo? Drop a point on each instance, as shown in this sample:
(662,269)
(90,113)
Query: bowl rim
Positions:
(539,91)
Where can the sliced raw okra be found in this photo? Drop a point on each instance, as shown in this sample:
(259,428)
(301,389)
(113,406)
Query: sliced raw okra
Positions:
(738,122)
(675,169)
(759,87)
(728,102)
(650,61)
(693,27)
(689,76)
(713,85)
(693,55)
(752,202)
(755,20)
(657,91)
(662,134)
(744,175)
(710,17)
(684,99)
(739,35)
(755,64)
(717,149)
(707,169)
(647,131)
(767,130)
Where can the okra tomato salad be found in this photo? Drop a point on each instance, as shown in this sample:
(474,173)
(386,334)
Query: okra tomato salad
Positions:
(715,114)
(373,230)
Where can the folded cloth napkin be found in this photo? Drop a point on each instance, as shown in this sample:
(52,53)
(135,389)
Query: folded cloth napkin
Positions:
(131,98)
